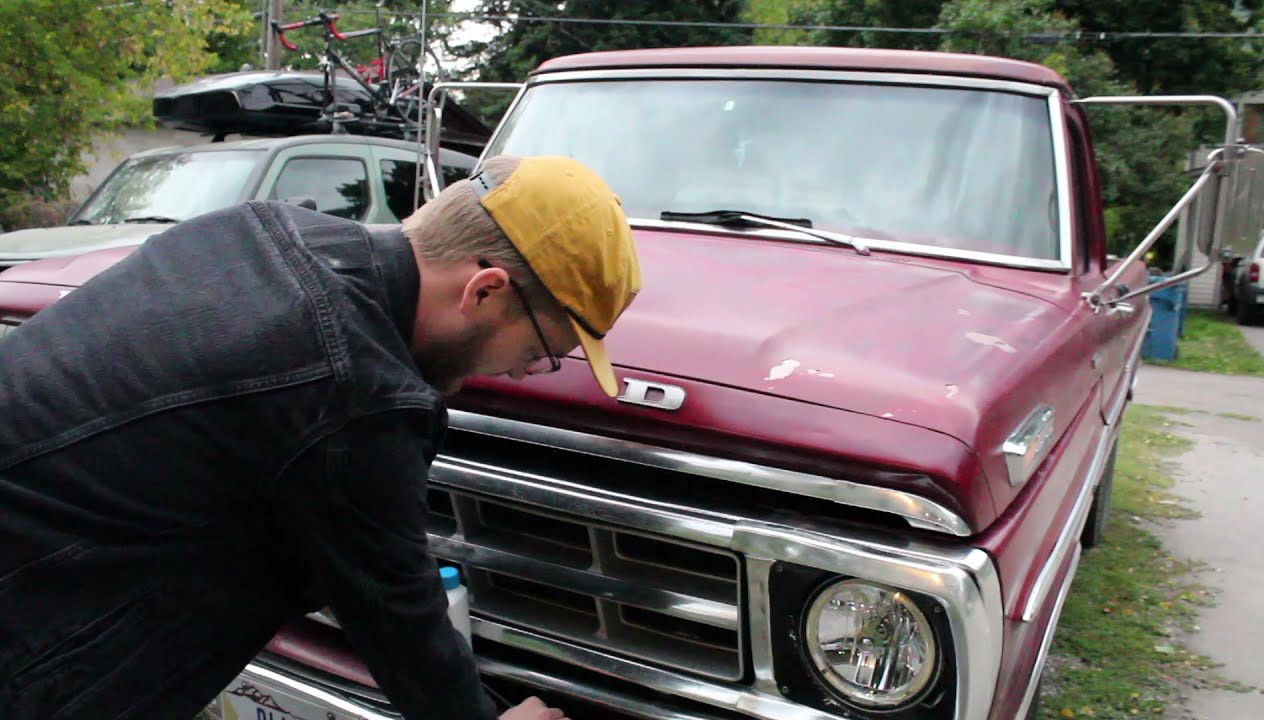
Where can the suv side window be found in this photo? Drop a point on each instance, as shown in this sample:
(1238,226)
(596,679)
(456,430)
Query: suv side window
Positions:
(400,179)
(340,186)
(452,174)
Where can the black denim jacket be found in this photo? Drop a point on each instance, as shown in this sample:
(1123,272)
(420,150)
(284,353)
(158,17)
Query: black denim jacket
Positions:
(220,433)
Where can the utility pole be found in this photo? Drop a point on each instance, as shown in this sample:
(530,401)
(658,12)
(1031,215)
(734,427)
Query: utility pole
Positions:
(273,45)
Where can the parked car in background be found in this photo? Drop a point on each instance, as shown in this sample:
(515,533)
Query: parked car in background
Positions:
(1247,300)
(363,178)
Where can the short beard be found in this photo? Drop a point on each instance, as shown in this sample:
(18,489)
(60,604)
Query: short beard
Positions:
(446,364)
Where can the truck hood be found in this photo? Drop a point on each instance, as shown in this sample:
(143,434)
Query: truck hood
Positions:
(802,356)
(25,245)
(926,342)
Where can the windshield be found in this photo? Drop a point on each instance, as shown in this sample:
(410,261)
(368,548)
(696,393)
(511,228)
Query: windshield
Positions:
(949,167)
(176,187)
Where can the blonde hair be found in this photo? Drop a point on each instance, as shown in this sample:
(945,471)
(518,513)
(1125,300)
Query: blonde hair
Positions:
(455,227)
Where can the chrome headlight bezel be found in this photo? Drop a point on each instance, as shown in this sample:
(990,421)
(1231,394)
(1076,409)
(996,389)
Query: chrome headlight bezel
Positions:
(792,590)
(927,679)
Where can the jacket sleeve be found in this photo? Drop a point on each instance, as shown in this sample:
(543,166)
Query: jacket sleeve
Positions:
(354,506)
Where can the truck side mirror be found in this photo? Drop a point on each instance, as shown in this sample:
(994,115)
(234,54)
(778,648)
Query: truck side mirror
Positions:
(1218,178)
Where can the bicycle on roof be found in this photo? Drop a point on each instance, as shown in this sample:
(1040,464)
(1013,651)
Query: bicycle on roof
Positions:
(391,79)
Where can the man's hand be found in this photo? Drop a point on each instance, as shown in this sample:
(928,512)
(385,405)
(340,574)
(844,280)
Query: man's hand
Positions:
(532,709)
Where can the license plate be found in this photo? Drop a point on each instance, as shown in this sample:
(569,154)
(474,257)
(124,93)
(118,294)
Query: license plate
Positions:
(249,699)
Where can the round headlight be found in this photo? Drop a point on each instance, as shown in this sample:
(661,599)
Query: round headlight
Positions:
(871,643)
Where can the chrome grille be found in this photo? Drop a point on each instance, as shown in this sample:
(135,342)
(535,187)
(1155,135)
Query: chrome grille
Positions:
(629,593)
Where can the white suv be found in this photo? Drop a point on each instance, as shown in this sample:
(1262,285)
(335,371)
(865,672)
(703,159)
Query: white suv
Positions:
(1248,291)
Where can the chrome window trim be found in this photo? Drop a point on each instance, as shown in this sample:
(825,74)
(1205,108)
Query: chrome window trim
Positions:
(1069,539)
(1061,178)
(917,511)
(1038,668)
(986,258)
(964,581)
(787,73)
(1057,128)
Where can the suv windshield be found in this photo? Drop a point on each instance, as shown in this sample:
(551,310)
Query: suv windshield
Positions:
(172,187)
(948,167)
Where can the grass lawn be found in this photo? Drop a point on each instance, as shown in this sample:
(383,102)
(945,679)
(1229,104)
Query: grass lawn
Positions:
(1213,343)
(1115,654)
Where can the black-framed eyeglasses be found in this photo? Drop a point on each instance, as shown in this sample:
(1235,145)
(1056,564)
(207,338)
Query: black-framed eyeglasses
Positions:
(548,363)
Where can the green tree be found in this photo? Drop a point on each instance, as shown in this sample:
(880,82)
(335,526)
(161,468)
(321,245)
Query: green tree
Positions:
(77,68)
(520,45)
(1176,65)
(867,13)
(1140,151)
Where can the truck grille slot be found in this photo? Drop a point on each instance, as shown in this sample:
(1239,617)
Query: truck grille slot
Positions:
(495,516)
(507,584)
(654,599)
(693,632)
(647,551)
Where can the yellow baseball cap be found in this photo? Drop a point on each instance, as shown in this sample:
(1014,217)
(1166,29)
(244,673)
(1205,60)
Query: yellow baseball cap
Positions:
(569,226)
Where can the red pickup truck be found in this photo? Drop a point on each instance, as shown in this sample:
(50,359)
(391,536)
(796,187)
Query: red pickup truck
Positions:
(871,397)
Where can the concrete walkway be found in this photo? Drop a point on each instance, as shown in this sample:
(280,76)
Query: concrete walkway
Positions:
(1222,477)
(1254,334)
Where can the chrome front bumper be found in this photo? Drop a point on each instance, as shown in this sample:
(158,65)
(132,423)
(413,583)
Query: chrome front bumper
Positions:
(965,583)
(962,580)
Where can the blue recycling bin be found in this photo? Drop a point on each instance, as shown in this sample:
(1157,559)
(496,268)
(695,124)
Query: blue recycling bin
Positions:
(1167,322)
(1183,292)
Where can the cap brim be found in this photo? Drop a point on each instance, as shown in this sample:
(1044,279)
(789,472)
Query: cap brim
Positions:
(598,360)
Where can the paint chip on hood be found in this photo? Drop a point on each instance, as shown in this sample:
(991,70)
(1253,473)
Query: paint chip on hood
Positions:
(784,370)
(992,340)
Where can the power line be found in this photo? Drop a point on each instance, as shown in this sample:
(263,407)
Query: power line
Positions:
(1077,35)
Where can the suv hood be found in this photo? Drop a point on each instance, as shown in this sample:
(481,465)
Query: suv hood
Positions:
(25,245)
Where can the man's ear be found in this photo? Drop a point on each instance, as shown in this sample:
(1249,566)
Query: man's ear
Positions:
(486,292)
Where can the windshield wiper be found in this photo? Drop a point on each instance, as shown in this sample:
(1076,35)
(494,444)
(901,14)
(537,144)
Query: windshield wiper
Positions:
(151,219)
(739,218)
(82,222)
